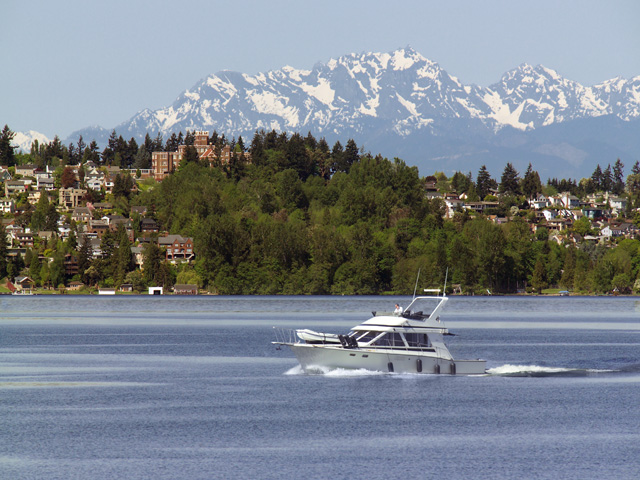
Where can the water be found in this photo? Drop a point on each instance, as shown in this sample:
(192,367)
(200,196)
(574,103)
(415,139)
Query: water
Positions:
(191,388)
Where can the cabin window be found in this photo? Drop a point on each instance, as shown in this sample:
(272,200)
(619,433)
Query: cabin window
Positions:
(417,339)
(391,339)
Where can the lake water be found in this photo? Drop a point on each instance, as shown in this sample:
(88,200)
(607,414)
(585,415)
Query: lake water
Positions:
(191,388)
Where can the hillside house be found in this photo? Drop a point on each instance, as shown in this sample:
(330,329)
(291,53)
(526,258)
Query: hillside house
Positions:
(70,198)
(45,183)
(7,206)
(13,187)
(540,202)
(81,215)
(28,170)
(179,248)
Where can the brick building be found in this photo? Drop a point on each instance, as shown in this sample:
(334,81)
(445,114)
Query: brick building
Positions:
(163,163)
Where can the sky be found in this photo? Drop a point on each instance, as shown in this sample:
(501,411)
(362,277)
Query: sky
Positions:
(69,64)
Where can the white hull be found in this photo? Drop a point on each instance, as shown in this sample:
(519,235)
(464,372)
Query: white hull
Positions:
(311,356)
(410,342)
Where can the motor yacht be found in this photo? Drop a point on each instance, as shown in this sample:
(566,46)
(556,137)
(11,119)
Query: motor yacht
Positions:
(407,342)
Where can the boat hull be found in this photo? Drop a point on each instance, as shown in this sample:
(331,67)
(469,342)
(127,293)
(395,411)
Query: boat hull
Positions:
(314,356)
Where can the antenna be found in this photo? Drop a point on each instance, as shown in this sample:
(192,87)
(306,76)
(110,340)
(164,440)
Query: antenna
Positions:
(444,290)
(416,287)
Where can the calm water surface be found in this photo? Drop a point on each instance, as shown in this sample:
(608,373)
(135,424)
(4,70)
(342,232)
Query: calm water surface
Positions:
(191,388)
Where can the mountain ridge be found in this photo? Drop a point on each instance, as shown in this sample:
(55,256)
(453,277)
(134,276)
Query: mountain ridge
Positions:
(402,104)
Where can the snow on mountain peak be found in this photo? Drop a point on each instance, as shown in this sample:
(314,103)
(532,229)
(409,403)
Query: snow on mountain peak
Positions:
(22,141)
(399,91)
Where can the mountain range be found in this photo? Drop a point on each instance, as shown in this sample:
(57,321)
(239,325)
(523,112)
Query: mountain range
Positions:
(401,104)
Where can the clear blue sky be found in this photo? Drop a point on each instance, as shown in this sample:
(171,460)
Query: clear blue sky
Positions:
(70,64)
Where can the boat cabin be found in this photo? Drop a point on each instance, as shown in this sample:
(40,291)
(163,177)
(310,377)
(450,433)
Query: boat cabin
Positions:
(392,339)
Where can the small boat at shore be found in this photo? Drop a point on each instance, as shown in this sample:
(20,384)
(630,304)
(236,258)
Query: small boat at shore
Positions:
(408,342)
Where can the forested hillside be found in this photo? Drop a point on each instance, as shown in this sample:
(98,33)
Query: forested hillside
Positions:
(291,215)
(306,219)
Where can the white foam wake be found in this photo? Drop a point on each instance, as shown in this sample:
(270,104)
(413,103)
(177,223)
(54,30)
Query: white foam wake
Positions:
(332,372)
(512,369)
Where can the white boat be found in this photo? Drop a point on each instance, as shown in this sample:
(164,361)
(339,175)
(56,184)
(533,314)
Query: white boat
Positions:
(411,342)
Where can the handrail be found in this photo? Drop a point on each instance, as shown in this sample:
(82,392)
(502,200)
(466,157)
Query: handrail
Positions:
(286,335)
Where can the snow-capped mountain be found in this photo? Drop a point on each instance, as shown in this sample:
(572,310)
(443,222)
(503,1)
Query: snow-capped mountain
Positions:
(402,104)
(23,140)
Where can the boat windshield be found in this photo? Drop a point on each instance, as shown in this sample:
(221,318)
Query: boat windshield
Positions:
(367,337)
(422,307)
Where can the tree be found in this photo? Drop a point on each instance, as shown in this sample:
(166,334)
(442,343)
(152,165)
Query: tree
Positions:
(483,182)
(618,178)
(582,226)
(350,156)
(151,261)
(45,216)
(539,276)
(190,155)
(68,178)
(596,180)
(109,152)
(85,255)
(510,181)
(460,183)
(7,154)
(56,270)
(607,179)
(3,251)
(531,185)
(336,156)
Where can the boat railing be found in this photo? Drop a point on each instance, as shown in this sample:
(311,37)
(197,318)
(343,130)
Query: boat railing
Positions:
(286,335)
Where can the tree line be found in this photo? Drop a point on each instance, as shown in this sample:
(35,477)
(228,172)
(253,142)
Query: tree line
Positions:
(304,217)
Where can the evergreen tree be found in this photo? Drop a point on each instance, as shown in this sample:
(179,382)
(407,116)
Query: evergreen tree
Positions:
(81,149)
(607,179)
(310,141)
(596,180)
(172,143)
(4,247)
(633,180)
(350,156)
(257,149)
(151,261)
(460,183)
(91,154)
(190,155)
(337,152)
(109,153)
(85,255)
(56,270)
(298,157)
(531,185)
(45,215)
(618,178)
(510,181)
(122,259)
(323,159)
(483,182)
(539,276)
(7,154)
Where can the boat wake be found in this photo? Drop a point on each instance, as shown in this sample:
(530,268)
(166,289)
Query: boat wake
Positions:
(333,372)
(540,371)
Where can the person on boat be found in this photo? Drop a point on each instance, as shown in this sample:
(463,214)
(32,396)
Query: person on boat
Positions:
(398,310)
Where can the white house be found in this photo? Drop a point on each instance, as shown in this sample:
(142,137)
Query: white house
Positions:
(549,214)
